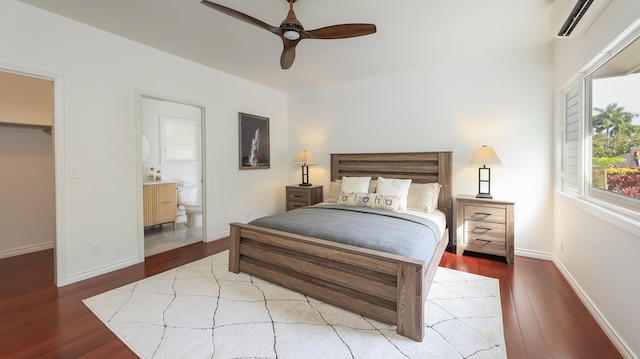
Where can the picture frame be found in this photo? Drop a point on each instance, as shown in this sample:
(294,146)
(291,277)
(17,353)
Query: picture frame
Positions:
(253,134)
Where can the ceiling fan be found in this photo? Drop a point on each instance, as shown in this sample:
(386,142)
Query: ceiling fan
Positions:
(291,30)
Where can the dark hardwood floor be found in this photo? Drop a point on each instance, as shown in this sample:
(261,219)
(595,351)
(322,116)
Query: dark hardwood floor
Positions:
(543,317)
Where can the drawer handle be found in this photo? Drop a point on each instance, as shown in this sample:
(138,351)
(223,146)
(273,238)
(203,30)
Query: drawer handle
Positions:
(484,229)
(297,196)
(484,241)
(484,214)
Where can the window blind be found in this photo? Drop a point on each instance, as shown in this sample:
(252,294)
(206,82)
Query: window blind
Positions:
(180,139)
(571,168)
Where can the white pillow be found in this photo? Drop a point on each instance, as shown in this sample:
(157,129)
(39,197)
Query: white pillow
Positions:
(371,200)
(423,197)
(355,184)
(394,187)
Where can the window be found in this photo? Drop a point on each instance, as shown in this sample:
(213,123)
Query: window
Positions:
(179,139)
(600,129)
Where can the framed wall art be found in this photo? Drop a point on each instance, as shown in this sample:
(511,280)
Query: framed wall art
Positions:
(254,141)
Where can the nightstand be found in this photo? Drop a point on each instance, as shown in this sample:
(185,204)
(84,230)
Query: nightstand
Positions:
(302,196)
(485,226)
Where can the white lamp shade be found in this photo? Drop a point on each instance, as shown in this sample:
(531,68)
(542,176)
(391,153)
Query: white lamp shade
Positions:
(304,157)
(485,155)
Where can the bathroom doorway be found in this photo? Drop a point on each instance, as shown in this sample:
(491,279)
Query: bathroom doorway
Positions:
(172,143)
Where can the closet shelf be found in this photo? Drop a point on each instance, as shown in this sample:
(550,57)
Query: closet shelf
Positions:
(21,127)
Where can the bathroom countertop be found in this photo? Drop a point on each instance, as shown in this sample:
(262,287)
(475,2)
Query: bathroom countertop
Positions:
(144,183)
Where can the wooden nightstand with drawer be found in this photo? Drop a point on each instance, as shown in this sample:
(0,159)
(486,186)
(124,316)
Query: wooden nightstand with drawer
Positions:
(302,196)
(485,226)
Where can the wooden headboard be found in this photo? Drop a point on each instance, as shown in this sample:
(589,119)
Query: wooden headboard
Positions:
(420,167)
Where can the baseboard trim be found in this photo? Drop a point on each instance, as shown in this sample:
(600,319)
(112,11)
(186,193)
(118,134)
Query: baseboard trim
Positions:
(613,335)
(25,250)
(534,254)
(101,270)
(219,235)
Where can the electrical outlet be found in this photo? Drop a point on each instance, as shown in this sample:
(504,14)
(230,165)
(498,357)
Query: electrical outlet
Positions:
(95,248)
(248,214)
(74,171)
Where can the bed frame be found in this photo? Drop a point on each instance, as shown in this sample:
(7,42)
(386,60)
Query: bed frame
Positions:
(385,287)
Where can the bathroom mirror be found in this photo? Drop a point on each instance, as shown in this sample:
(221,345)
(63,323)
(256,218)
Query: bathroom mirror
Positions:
(146,148)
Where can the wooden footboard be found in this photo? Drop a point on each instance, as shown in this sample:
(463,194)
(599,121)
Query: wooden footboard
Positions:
(385,287)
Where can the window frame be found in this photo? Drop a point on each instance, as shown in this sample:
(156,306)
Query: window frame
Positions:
(613,207)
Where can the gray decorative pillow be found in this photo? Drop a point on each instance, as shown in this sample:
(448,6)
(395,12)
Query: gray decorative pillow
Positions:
(371,200)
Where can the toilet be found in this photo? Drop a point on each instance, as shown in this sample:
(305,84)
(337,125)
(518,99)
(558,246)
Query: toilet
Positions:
(188,197)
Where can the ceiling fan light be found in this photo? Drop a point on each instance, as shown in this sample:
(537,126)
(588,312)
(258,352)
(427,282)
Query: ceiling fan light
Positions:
(291,35)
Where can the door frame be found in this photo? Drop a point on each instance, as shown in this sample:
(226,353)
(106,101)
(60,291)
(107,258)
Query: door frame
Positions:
(59,163)
(203,145)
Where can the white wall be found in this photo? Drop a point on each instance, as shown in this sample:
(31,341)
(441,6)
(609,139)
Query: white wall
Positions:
(102,74)
(27,212)
(601,257)
(503,101)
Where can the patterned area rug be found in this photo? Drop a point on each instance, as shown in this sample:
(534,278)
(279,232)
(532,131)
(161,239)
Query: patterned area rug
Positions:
(201,310)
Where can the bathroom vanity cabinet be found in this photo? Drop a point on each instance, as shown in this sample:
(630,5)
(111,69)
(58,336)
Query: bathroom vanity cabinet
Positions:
(159,203)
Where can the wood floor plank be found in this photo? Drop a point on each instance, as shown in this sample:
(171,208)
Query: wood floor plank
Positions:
(542,316)
(513,337)
(543,296)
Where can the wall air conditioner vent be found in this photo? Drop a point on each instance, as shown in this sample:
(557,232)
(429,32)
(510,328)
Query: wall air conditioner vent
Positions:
(574,17)
(571,18)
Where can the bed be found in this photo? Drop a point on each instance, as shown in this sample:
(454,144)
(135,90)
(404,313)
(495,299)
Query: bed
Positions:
(387,287)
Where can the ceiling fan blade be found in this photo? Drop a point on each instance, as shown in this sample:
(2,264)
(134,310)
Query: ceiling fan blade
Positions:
(341,31)
(240,16)
(288,53)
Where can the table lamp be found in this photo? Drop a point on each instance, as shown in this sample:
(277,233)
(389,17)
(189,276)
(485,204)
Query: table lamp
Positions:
(484,156)
(304,158)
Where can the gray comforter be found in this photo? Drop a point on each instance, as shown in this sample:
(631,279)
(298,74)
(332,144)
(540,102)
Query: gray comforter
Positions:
(381,230)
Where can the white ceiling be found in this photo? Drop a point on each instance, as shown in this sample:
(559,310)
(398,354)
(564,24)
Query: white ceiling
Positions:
(411,33)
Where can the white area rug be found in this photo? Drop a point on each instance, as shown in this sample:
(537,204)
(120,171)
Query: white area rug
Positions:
(201,310)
